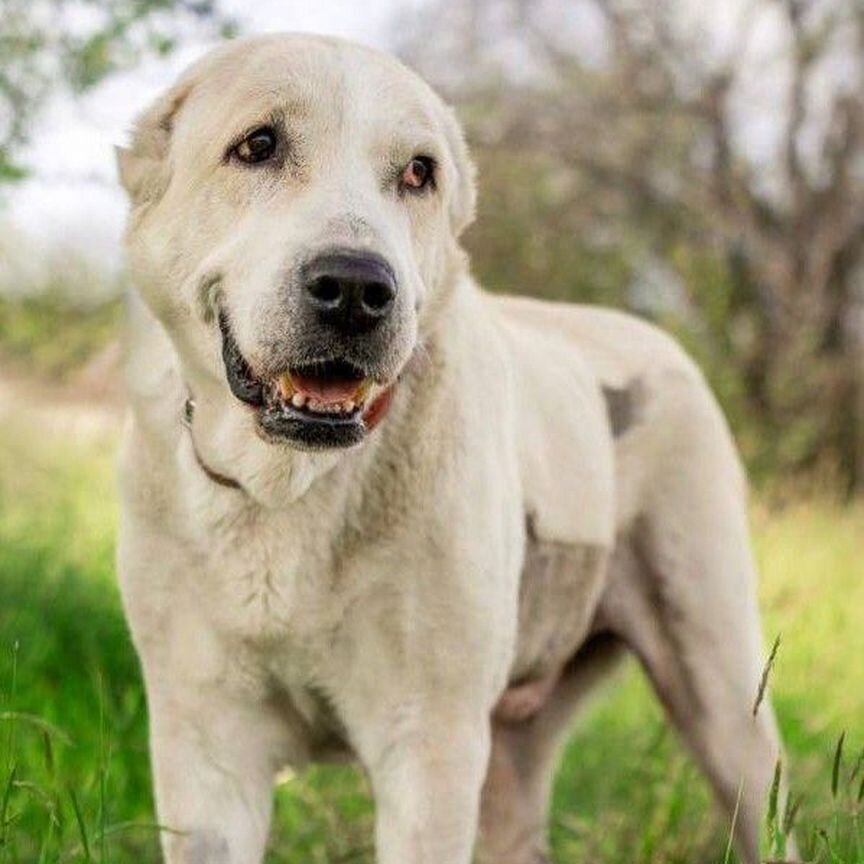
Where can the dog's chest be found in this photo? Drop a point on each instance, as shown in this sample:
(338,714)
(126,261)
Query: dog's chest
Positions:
(266,583)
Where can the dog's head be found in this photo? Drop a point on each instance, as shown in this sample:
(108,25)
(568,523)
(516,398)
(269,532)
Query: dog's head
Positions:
(296,205)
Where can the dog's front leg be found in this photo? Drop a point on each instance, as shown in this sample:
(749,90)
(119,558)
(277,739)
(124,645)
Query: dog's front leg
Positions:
(417,708)
(427,774)
(213,760)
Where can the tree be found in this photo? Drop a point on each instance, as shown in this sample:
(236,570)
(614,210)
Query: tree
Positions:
(645,136)
(48,44)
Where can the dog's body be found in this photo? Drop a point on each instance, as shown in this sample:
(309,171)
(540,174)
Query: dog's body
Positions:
(550,483)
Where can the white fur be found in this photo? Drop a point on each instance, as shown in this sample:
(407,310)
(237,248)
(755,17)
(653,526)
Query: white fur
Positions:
(382,598)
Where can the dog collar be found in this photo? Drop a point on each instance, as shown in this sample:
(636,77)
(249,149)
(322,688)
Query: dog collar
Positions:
(215,476)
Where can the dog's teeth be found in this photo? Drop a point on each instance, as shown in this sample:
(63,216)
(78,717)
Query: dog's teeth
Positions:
(300,400)
(286,387)
(363,391)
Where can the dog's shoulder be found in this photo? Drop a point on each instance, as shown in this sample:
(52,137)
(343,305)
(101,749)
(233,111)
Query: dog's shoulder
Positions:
(612,387)
(565,449)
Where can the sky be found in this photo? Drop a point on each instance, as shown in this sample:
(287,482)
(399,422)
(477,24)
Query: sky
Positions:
(72,200)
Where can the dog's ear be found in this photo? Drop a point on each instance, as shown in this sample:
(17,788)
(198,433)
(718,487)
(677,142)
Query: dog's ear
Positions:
(144,166)
(463,197)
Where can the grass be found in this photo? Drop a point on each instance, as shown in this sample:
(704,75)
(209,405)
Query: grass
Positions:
(74,776)
(50,334)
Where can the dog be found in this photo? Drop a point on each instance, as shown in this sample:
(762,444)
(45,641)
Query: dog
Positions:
(369,510)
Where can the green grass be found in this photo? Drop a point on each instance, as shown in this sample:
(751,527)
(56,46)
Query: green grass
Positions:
(74,775)
(50,334)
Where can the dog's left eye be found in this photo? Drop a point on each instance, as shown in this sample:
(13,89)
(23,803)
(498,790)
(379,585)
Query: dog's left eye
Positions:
(258,146)
(418,174)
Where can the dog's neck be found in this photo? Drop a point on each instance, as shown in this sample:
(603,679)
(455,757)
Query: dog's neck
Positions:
(229,451)
(187,420)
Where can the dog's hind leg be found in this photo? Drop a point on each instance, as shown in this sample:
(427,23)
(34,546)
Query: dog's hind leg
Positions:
(682,595)
(514,809)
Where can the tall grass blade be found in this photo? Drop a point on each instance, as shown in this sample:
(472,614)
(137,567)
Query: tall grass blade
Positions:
(10,742)
(103,773)
(775,834)
(727,857)
(838,760)
(4,802)
(858,764)
(15,717)
(82,828)
(46,841)
(5,820)
(127,827)
(793,805)
(48,752)
(766,673)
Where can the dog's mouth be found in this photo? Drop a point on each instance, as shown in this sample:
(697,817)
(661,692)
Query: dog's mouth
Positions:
(325,404)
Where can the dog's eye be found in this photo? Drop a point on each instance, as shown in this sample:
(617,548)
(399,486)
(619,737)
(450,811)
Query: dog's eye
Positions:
(418,174)
(258,146)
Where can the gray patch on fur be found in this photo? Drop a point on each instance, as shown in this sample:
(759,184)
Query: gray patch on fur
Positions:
(207,847)
(531,527)
(624,405)
(560,588)
(210,296)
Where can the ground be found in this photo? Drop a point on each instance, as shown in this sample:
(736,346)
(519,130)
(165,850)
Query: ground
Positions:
(74,776)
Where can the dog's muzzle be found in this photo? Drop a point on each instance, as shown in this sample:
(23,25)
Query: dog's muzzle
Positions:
(324,404)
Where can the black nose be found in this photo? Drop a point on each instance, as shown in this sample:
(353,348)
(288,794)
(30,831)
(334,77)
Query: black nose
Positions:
(353,292)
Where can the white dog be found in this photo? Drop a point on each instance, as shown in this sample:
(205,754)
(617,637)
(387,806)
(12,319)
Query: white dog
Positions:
(369,509)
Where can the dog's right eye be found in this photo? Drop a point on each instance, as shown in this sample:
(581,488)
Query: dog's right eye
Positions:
(258,146)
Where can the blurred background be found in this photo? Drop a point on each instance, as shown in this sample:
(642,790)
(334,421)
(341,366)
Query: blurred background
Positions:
(700,164)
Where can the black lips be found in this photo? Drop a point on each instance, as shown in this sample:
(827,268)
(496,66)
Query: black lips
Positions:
(244,385)
(311,432)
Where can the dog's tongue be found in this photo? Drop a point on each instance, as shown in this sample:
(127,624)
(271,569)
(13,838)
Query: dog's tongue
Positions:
(326,390)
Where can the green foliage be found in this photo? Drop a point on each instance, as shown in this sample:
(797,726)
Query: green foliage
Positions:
(10,171)
(527,238)
(48,44)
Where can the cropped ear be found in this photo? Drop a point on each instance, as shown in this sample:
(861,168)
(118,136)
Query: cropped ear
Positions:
(463,196)
(143,166)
